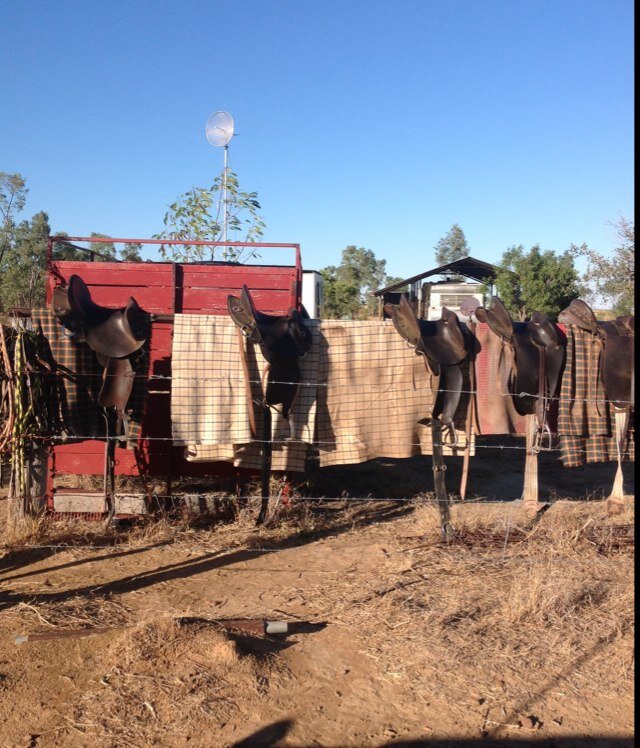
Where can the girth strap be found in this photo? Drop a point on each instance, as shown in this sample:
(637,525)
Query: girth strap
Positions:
(595,387)
(543,400)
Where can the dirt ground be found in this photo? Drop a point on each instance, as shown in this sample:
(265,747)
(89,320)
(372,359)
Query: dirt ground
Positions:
(514,631)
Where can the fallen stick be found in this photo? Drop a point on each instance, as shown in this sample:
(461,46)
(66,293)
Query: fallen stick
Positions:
(64,634)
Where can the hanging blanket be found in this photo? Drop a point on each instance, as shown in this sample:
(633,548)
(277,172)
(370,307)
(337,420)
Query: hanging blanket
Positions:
(586,433)
(496,412)
(374,391)
(362,392)
(209,402)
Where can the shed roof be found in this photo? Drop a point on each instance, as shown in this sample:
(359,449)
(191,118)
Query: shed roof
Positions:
(468,267)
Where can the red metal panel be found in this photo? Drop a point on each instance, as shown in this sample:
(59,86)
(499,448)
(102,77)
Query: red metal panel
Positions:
(117,273)
(165,288)
(214,301)
(87,458)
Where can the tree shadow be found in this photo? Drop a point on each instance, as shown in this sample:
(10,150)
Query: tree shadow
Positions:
(33,555)
(202,564)
(266,737)
(273,736)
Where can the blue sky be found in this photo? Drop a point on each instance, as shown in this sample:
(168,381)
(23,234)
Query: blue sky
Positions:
(372,123)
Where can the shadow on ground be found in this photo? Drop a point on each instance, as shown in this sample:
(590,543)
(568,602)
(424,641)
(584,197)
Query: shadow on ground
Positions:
(496,473)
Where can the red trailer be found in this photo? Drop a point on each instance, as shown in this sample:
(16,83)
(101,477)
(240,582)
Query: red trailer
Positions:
(162,289)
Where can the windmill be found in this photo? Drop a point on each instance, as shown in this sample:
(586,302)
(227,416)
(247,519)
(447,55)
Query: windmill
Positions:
(219,131)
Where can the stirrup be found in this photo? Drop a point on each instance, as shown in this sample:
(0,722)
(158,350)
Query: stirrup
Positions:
(542,433)
(452,443)
(122,428)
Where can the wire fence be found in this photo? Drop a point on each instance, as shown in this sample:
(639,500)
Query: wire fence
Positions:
(362,394)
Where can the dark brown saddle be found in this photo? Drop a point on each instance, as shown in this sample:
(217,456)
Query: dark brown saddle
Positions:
(115,335)
(534,354)
(445,345)
(612,361)
(283,339)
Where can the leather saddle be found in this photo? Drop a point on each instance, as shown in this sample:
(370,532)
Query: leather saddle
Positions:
(113,334)
(614,353)
(535,361)
(445,344)
(282,339)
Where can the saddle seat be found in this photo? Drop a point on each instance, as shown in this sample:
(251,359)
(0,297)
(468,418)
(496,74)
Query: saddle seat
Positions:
(112,333)
(283,339)
(444,342)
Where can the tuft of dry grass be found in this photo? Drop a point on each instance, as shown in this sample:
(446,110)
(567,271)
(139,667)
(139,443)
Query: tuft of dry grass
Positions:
(166,681)
(75,613)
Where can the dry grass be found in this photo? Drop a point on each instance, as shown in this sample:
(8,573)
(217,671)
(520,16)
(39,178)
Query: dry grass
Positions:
(164,682)
(75,613)
(507,611)
(500,595)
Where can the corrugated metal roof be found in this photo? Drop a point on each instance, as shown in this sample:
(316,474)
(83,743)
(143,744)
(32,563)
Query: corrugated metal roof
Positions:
(468,267)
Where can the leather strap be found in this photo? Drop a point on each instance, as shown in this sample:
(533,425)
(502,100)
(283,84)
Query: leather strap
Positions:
(472,418)
(595,394)
(247,381)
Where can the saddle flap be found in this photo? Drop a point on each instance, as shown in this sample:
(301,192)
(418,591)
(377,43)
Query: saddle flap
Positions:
(81,303)
(238,313)
(117,384)
(625,325)
(120,334)
(62,311)
(60,302)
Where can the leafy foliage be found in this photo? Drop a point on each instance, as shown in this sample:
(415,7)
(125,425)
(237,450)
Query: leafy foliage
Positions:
(348,287)
(613,278)
(24,265)
(23,248)
(13,195)
(452,246)
(107,252)
(131,252)
(198,215)
(536,280)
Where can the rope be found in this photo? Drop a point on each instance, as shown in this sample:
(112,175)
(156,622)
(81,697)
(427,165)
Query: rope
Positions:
(28,423)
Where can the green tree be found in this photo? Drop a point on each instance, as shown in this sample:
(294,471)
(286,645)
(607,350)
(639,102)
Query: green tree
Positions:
(452,246)
(131,252)
(65,252)
(107,252)
(339,298)
(536,280)
(348,287)
(198,215)
(24,267)
(613,278)
(13,196)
